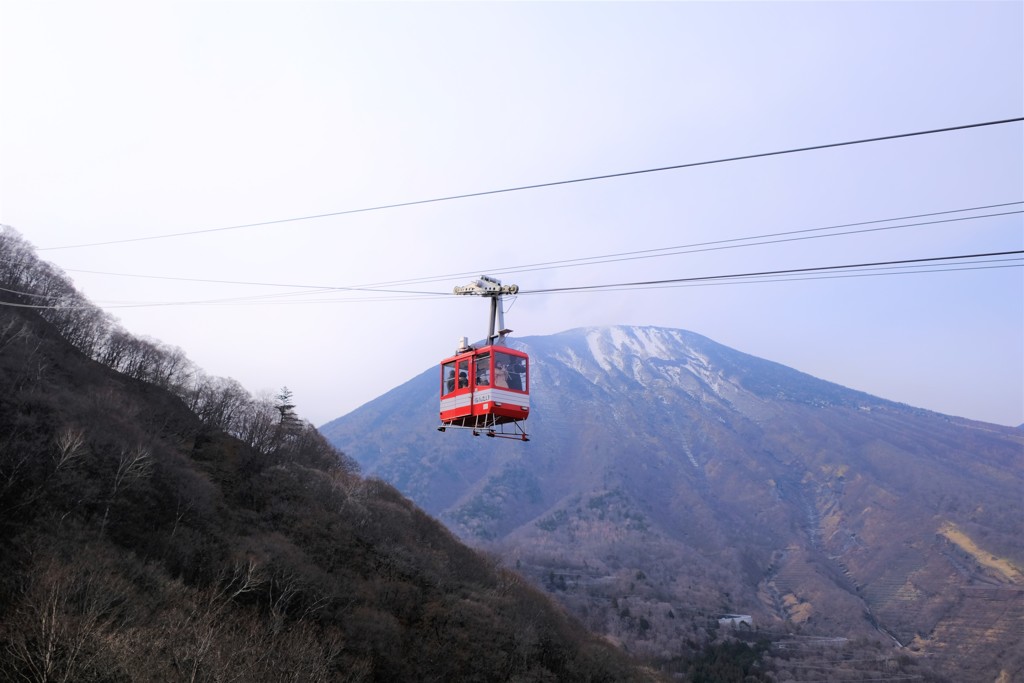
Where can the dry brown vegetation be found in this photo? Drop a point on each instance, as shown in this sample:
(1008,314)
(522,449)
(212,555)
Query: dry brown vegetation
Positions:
(158,524)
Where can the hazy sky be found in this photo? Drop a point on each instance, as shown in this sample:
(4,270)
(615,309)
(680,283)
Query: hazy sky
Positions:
(138,119)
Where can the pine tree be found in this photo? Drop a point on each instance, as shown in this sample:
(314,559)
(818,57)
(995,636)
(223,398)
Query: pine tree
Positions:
(289,423)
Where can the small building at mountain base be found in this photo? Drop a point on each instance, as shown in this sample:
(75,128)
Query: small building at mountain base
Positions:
(735,620)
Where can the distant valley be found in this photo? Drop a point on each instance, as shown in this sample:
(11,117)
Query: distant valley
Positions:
(671,480)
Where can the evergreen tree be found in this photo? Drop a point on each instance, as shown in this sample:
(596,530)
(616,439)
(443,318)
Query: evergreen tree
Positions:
(285,406)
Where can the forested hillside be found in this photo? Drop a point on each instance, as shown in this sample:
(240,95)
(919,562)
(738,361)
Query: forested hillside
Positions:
(159,524)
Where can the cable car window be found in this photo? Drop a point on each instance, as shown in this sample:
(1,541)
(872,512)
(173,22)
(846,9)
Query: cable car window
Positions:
(448,374)
(509,371)
(463,373)
(483,370)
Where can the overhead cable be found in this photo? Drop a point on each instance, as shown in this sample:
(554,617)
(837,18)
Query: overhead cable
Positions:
(818,272)
(535,186)
(701,282)
(696,247)
(798,274)
(731,244)
(819,269)
(867,272)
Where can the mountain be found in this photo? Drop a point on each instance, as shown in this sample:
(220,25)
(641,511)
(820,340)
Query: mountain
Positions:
(157,524)
(671,480)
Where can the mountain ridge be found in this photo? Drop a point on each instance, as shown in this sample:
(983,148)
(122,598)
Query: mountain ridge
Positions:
(661,453)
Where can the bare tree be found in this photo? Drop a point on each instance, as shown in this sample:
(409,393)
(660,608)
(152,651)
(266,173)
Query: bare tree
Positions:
(15,330)
(59,621)
(259,425)
(70,445)
(132,465)
(196,634)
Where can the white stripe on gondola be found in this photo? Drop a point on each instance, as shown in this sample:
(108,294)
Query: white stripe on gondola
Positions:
(499,396)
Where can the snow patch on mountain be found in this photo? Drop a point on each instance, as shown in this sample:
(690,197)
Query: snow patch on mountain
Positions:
(639,372)
(665,362)
(654,344)
(689,454)
(611,346)
(571,360)
(700,366)
(594,343)
(649,356)
(674,374)
(618,337)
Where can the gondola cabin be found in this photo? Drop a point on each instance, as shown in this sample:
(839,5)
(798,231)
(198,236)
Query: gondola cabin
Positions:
(485,387)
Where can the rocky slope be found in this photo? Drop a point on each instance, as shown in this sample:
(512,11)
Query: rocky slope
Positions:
(671,479)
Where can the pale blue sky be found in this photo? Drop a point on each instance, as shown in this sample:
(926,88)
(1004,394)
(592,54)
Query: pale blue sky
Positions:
(132,119)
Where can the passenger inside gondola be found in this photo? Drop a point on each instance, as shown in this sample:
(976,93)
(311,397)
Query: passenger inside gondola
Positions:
(509,371)
(449,378)
(483,371)
(515,375)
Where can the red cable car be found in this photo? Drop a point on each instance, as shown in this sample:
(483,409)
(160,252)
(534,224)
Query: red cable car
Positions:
(487,389)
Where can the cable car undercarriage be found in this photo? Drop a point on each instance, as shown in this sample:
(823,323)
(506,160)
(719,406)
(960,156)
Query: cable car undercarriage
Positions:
(486,425)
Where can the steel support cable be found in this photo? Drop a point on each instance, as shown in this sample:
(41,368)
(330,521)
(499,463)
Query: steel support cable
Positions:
(616,256)
(803,278)
(696,247)
(215,302)
(897,267)
(739,280)
(707,278)
(535,186)
(723,243)
(818,273)
(326,288)
(20,293)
